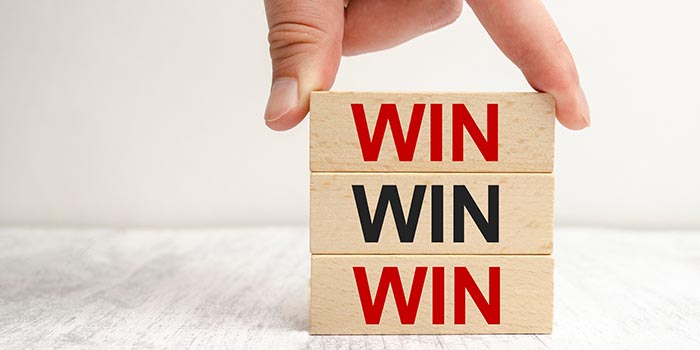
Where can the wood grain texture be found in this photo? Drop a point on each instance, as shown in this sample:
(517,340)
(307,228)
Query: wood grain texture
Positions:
(525,213)
(526,286)
(525,132)
(248,288)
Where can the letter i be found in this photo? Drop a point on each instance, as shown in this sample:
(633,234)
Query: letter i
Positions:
(436,132)
(438,295)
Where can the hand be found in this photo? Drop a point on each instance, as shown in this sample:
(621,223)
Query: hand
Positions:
(308,37)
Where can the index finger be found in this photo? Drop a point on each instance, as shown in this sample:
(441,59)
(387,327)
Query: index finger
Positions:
(527,35)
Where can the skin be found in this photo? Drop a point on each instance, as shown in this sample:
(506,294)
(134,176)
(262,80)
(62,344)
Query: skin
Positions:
(308,37)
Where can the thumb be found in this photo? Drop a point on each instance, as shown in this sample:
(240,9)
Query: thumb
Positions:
(305,47)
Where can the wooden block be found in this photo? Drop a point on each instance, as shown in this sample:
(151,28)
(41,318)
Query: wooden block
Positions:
(437,294)
(493,132)
(522,222)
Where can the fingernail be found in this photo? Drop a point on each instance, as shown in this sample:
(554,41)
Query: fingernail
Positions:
(583,106)
(283,97)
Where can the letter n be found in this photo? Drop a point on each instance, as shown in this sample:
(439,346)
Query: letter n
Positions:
(462,198)
(490,310)
(462,119)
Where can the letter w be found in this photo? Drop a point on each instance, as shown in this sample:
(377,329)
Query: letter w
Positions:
(390,278)
(372,228)
(388,114)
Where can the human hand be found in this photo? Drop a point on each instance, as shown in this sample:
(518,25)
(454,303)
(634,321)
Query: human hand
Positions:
(308,37)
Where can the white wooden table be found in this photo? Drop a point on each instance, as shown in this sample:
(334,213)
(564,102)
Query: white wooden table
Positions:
(248,288)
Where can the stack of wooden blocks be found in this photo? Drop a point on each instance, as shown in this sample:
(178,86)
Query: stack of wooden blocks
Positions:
(431,213)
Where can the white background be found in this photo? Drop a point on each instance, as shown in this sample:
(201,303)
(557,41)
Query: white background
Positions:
(149,113)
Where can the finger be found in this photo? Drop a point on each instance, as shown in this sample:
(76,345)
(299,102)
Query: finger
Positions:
(372,25)
(526,33)
(305,47)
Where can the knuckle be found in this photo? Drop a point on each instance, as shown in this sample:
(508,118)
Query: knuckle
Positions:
(293,32)
(290,40)
(291,25)
(285,36)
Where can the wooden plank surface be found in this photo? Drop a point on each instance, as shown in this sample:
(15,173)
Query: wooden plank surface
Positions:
(248,288)
(525,132)
(516,294)
(524,206)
